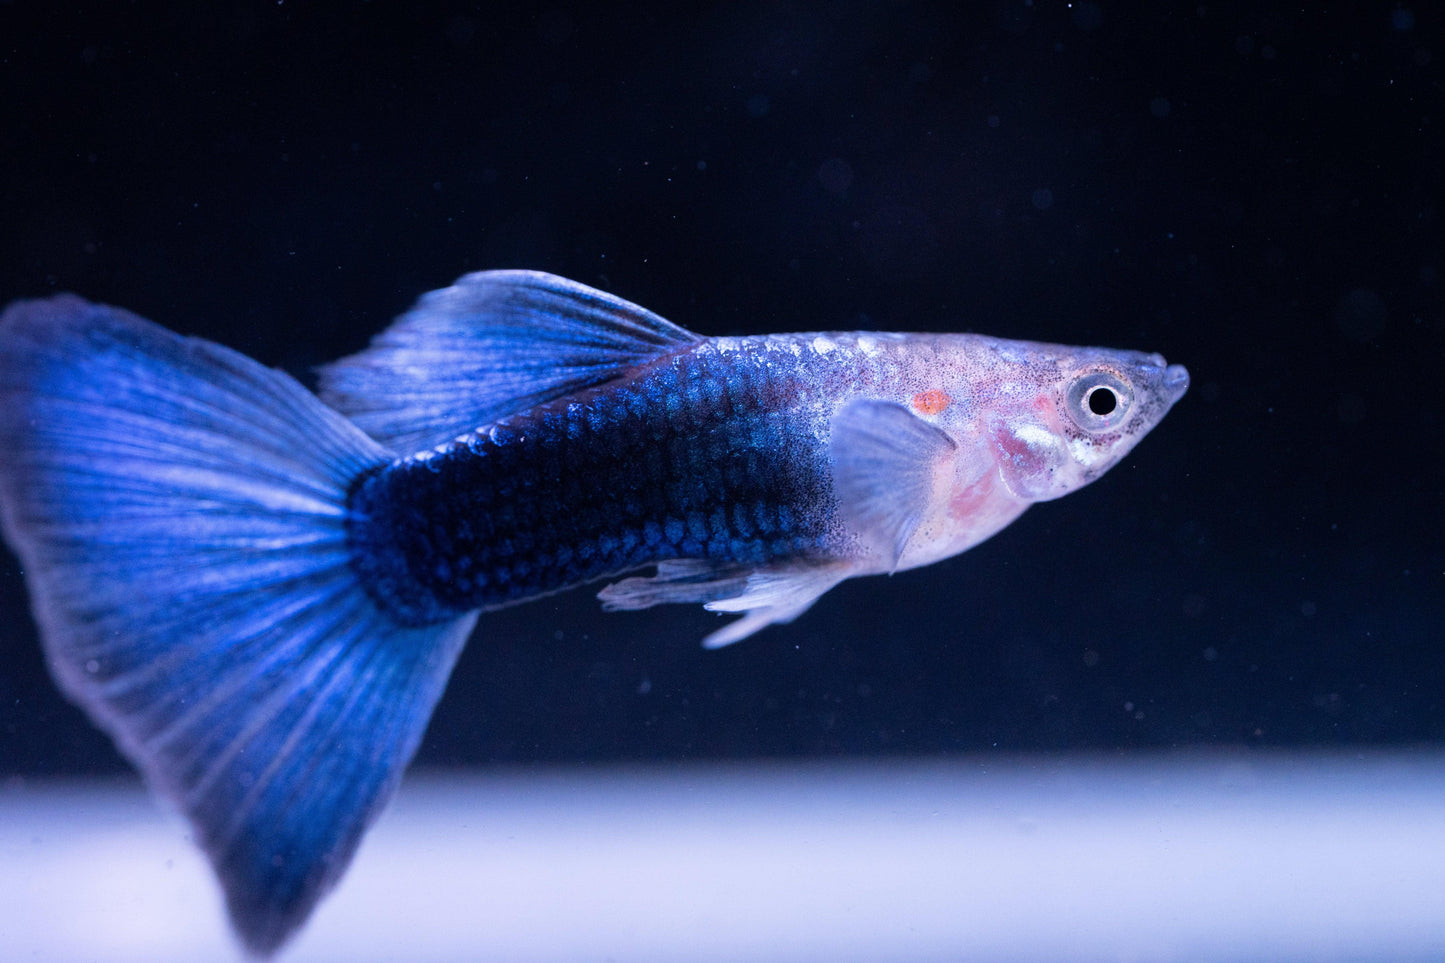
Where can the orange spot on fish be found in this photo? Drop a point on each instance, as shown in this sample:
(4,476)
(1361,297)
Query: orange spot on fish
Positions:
(931,402)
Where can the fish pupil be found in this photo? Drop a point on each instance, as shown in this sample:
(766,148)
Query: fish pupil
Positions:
(1102,401)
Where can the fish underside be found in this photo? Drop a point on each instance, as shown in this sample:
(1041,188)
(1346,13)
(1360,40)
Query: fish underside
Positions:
(260,593)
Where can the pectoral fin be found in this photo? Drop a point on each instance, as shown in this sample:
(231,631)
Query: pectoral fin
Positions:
(888,464)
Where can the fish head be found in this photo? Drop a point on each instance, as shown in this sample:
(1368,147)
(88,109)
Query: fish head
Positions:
(976,429)
(1063,416)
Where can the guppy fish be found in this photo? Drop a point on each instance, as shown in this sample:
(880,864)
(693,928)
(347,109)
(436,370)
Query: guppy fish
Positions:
(260,594)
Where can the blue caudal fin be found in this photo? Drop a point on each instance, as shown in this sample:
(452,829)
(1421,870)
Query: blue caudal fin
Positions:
(179,511)
(492,344)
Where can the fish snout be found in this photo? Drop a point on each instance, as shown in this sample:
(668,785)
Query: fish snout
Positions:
(1175,381)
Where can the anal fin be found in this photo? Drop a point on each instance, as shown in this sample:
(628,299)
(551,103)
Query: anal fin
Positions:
(680,580)
(764,596)
(772,597)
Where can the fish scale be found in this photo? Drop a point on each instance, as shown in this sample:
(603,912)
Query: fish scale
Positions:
(692,458)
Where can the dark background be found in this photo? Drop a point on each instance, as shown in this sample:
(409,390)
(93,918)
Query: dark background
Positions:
(1255,194)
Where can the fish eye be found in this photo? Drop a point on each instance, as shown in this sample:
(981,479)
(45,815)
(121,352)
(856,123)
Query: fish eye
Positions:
(1099,400)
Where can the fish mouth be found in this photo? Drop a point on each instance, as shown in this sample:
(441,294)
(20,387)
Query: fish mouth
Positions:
(1176,381)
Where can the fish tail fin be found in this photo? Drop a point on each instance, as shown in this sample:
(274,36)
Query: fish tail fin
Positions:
(180,514)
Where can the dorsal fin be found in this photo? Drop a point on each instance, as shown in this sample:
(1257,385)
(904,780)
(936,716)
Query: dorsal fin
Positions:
(492,344)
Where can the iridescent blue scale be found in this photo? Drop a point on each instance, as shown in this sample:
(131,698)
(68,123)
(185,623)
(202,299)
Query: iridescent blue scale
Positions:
(695,457)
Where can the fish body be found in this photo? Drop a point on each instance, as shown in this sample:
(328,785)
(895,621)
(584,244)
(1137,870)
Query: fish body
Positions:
(260,595)
(730,458)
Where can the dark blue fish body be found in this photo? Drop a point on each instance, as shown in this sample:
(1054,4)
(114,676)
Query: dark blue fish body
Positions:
(694,457)
(260,594)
